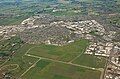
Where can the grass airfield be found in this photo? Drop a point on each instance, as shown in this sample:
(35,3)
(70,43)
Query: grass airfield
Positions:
(55,62)
(51,70)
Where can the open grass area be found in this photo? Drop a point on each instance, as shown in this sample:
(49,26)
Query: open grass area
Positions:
(17,20)
(7,47)
(20,59)
(64,53)
(10,67)
(65,13)
(89,1)
(90,61)
(2,61)
(51,70)
(45,69)
(12,21)
(24,63)
(1,37)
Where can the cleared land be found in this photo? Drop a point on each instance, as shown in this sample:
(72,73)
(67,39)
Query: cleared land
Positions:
(51,70)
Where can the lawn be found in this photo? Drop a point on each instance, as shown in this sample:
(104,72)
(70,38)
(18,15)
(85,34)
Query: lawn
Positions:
(64,53)
(51,70)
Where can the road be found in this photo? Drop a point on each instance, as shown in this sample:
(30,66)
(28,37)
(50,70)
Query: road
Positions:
(108,62)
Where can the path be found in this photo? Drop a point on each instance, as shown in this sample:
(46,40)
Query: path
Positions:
(4,63)
(11,65)
(30,68)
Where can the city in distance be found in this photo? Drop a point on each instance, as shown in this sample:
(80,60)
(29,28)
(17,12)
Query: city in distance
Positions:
(59,39)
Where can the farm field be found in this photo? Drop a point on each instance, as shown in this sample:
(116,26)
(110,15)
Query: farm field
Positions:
(51,70)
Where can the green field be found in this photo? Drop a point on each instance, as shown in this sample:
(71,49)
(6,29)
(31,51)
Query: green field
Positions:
(20,59)
(53,69)
(64,53)
(50,70)
(65,13)
(17,20)
(12,21)
(8,46)
(90,61)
